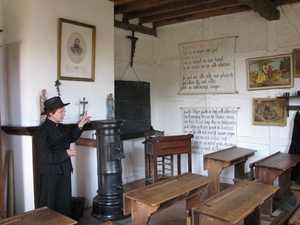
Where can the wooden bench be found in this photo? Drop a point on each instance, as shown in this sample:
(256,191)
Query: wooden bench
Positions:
(284,217)
(294,218)
(251,175)
(144,201)
(239,203)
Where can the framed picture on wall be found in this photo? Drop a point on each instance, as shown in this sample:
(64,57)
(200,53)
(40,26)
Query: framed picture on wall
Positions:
(296,60)
(270,72)
(269,111)
(76,51)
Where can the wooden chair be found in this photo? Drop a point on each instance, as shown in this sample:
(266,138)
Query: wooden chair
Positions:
(164,163)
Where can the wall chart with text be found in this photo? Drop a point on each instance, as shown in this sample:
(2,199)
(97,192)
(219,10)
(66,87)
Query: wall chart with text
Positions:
(213,128)
(207,67)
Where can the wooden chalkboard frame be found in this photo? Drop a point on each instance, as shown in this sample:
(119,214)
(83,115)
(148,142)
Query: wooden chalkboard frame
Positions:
(132,104)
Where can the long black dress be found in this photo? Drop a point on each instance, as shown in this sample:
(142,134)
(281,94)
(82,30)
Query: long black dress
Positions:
(53,139)
(295,146)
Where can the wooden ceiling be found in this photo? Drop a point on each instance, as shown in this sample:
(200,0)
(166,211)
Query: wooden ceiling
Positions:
(159,13)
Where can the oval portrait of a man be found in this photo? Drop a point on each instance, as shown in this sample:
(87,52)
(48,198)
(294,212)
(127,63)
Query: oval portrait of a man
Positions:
(76,48)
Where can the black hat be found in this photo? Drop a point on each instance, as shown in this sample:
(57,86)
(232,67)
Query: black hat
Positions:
(53,103)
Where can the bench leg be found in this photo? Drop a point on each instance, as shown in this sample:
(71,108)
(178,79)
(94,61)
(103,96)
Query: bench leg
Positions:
(140,213)
(188,218)
(214,170)
(239,169)
(284,184)
(297,195)
(253,218)
(191,202)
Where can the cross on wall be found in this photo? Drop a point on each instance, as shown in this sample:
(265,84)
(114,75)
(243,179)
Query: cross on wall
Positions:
(133,42)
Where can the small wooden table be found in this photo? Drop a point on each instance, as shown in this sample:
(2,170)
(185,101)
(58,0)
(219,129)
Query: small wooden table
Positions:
(143,202)
(239,202)
(42,215)
(217,161)
(166,146)
(278,165)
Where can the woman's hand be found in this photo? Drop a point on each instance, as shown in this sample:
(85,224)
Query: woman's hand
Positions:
(71,152)
(85,119)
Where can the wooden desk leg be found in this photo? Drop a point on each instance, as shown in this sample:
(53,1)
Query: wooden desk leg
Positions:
(191,202)
(154,167)
(140,213)
(267,176)
(147,170)
(178,164)
(285,183)
(239,169)
(214,170)
(253,218)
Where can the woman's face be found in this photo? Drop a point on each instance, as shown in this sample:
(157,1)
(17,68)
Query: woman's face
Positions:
(58,116)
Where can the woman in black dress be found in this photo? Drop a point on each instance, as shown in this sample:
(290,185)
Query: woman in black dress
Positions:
(53,144)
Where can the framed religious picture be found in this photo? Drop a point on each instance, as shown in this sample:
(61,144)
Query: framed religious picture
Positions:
(270,72)
(269,111)
(296,59)
(76,51)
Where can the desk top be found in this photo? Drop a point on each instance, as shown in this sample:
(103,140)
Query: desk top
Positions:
(42,215)
(171,188)
(280,161)
(236,202)
(229,154)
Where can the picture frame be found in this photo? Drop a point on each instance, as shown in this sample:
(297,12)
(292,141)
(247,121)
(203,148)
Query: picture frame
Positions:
(269,111)
(76,51)
(270,72)
(296,62)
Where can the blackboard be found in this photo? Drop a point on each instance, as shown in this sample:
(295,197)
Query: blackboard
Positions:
(132,104)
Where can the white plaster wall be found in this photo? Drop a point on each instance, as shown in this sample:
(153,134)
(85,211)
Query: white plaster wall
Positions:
(31,42)
(256,38)
(17,50)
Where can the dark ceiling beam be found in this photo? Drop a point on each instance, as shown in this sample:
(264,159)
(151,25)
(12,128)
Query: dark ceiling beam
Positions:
(142,4)
(167,12)
(163,9)
(265,8)
(136,28)
(203,15)
(121,2)
(190,11)
(284,2)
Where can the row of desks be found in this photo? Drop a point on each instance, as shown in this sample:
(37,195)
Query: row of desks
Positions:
(267,170)
(246,200)
(239,202)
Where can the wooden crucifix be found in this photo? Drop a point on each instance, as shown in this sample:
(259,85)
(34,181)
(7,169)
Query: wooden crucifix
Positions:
(83,103)
(133,41)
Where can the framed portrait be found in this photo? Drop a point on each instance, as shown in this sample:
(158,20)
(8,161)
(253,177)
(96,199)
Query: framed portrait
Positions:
(76,51)
(270,72)
(269,111)
(296,61)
